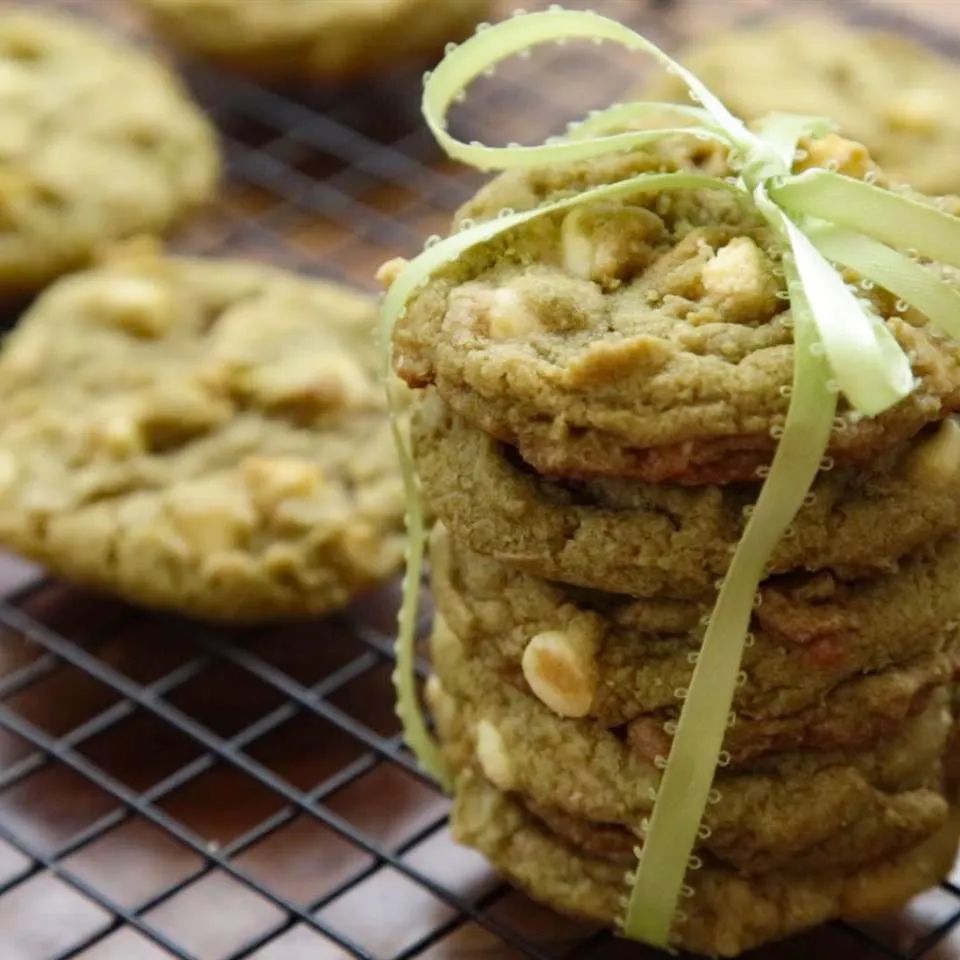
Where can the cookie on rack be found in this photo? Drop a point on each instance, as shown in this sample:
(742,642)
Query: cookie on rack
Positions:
(728,913)
(627,536)
(832,663)
(645,337)
(322,39)
(804,810)
(887,90)
(98,142)
(208,437)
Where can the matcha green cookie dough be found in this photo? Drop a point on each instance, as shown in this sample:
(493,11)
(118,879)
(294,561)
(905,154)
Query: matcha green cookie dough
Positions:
(803,811)
(208,437)
(888,91)
(831,663)
(727,913)
(321,39)
(98,142)
(626,536)
(643,337)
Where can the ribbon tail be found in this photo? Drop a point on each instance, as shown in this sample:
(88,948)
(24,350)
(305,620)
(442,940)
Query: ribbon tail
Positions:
(900,221)
(913,283)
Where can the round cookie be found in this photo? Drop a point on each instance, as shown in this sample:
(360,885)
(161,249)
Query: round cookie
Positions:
(98,142)
(888,91)
(204,436)
(648,539)
(728,913)
(832,665)
(808,811)
(322,39)
(644,337)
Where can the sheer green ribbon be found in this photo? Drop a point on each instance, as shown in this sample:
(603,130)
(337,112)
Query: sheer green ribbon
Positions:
(822,219)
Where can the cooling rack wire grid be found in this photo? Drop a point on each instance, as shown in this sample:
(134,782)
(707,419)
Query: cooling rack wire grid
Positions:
(169,789)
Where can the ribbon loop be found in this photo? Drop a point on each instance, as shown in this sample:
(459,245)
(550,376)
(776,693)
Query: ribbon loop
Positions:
(818,217)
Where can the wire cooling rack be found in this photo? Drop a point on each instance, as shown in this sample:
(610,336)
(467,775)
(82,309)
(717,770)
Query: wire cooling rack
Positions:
(173,790)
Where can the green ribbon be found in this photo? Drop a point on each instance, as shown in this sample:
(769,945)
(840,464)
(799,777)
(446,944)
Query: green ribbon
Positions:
(821,218)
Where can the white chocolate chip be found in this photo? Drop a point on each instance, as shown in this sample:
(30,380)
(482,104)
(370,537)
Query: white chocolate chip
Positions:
(315,383)
(577,245)
(271,480)
(492,755)
(508,316)
(739,279)
(117,434)
(136,305)
(210,517)
(606,242)
(916,109)
(936,463)
(560,668)
(8,471)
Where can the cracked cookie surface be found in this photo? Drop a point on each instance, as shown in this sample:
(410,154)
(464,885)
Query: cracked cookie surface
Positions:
(642,337)
(204,436)
(326,39)
(98,142)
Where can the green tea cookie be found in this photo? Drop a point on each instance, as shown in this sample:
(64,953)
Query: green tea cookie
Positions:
(647,539)
(808,811)
(98,142)
(728,913)
(326,39)
(888,91)
(203,436)
(832,664)
(641,337)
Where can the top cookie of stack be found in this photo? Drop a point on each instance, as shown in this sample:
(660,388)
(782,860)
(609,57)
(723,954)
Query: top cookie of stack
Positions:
(603,390)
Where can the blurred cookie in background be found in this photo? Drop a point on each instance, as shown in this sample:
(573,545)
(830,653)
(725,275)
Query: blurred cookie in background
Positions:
(890,92)
(314,39)
(202,436)
(98,142)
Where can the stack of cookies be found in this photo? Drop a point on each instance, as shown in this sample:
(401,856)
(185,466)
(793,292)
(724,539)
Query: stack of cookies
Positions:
(600,395)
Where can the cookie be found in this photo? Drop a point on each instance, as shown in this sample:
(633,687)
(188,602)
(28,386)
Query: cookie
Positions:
(728,913)
(642,337)
(656,539)
(888,91)
(203,436)
(805,811)
(98,142)
(316,39)
(831,664)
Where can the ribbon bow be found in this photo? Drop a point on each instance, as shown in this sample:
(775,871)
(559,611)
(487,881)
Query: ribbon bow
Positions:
(822,219)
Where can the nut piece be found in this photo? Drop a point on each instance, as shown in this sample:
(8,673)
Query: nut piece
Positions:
(847,156)
(936,463)
(8,471)
(210,517)
(492,755)
(508,316)
(740,281)
(270,480)
(560,668)
(140,307)
(608,242)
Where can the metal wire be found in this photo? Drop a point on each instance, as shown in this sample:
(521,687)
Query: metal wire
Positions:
(308,177)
